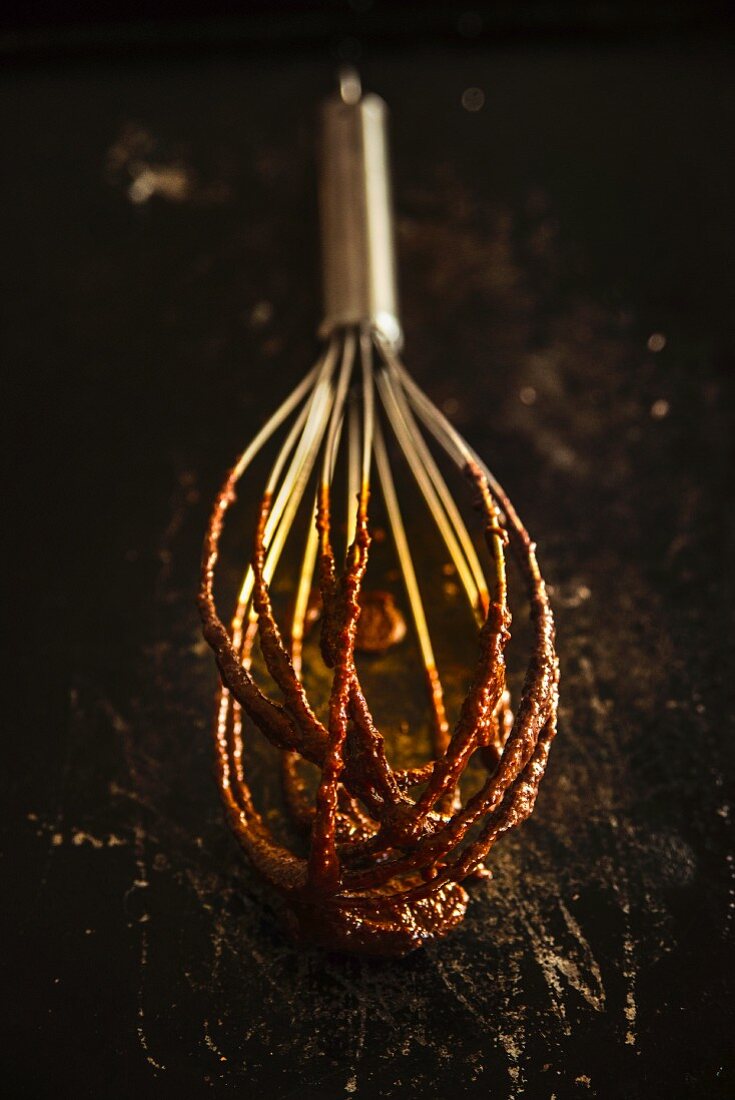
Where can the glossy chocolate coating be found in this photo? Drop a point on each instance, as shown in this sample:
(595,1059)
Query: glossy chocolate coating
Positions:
(384,869)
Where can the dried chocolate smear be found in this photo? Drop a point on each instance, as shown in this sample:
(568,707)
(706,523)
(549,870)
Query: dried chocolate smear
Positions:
(381,624)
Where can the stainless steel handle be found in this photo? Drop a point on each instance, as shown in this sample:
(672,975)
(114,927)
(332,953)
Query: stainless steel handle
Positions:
(359,265)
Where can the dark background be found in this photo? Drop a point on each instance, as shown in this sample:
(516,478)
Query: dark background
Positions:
(543,240)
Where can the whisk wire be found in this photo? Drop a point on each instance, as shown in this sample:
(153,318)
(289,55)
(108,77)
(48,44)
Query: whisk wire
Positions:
(408,572)
(308,430)
(420,462)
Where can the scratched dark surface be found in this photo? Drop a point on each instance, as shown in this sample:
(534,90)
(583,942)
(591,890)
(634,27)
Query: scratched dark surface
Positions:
(543,240)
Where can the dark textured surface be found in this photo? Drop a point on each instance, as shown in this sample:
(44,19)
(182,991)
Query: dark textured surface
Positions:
(543,240)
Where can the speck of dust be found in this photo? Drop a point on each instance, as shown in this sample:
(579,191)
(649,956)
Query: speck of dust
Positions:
(473,99)
(527,395)
(170,181)
(660,409)
(656,342)
(261,314)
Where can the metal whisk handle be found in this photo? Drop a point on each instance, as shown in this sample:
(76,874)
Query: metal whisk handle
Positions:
(359,264)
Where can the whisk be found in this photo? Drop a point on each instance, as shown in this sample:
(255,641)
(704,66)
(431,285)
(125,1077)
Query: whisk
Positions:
(388,847)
